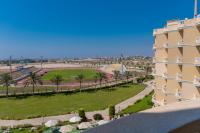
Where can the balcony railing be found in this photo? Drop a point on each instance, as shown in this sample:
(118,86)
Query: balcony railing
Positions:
(179,60)
(164,75)
(197,61)
(164,88)
(158,103)
(166,45)
(179,77)
(178,94)
(197,42)
(196,81)
(180,44)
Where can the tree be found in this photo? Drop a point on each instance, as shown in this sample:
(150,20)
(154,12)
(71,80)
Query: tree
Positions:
(80,78)
(81,114)
(95,80)
(6,80)
(116,75)
(57,79)
(34,79)
(101,77)
(111,111)
(127,74)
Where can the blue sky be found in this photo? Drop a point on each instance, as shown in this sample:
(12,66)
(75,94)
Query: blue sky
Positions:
(83,28)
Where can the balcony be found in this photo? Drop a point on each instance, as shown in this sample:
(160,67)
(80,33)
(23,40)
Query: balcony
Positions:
(181,26)
(158,103)
(165,60)
(179,61)
(164,75)
(180,44)
(197,42)
(179,77)
(164,89)
(196,81)
(166,45)
(197,61)
(178,94)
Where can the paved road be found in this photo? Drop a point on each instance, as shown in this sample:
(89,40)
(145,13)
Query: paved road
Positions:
(39,121)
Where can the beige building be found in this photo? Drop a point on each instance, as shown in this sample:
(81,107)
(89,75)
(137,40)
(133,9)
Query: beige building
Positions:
(177,61)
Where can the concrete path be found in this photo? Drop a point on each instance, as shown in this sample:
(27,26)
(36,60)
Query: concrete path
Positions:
(89,115)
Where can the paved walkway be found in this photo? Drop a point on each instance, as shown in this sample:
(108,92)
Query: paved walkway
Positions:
(40,121)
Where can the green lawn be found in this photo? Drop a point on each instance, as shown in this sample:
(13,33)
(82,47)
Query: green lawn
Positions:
(141,105)
(34,106)
(70,74)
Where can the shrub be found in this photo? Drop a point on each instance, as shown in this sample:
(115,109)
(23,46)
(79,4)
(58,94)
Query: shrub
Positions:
(140,80)
(81,113)
(98,117)
(112,111)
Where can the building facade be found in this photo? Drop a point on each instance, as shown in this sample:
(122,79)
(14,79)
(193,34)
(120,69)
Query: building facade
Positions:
(177,61)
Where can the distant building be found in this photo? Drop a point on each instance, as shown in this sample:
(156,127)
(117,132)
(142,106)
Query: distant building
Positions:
(177,61)
(109,69)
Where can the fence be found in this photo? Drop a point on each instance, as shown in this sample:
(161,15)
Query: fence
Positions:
(14,91)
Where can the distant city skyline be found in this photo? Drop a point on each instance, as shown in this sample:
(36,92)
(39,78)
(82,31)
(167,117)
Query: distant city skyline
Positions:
(57,29)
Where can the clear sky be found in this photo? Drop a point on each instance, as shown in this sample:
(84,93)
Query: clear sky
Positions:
(83,28)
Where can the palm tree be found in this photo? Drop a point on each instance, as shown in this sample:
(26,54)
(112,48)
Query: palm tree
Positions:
(127,74)
(101,77)
(116,75)
(6,80)
(34,79)
(80,78)
(57,79)
(95,80)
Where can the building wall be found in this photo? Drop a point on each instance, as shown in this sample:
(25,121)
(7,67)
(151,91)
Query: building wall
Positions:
(178,84)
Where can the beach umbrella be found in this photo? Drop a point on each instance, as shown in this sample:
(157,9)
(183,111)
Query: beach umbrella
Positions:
(66,129)
(84,125)
(51,123)
(75,119)
(102,122)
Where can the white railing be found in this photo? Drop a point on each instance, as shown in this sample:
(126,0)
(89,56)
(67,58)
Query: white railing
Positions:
(166,45)
(165,60)
(180,44)
(196,81)
(164,88)
(179,77)
(179,60)
(198,41)
(164,75)
(180,25)
(178,94)
(197,61)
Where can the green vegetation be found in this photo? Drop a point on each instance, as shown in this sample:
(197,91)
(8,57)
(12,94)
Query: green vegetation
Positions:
(112,111)
(81,114)
(140,105)
(36,106)
(70,74)
(98,117)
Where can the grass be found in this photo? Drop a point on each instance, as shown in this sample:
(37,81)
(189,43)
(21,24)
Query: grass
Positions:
(36,106)
(140,105)
(70,74)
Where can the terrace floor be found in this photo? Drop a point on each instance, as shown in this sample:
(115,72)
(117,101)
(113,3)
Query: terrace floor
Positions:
(161,119)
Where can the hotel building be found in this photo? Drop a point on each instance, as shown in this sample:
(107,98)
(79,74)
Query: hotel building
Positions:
(177,61)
